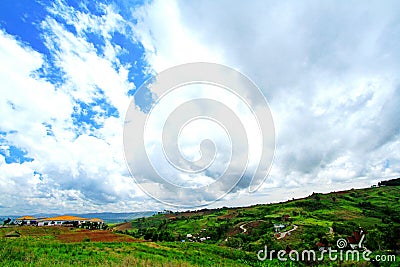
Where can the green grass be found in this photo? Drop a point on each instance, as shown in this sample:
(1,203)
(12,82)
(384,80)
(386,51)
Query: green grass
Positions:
(45,251)
(375,209)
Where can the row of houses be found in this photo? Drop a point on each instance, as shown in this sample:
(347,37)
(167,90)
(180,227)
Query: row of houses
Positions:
(64,220)
(195,238)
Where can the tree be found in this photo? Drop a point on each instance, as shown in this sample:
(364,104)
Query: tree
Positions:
(7,221)
(234,242)
(166,235)
(148,233)
(345,228)
(390,235)
(374,240)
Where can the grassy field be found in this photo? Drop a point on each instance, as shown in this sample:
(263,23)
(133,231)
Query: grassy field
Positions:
(44,246)
(231,236)
(318,218)
(46,250)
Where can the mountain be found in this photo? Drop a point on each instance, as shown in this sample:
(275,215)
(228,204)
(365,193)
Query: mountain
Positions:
(307,223)
(112,217)
(109,217)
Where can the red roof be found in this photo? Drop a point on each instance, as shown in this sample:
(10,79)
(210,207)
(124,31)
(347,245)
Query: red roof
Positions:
(26,218)
(65,218)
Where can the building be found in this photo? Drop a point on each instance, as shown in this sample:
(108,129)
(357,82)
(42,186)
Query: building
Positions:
(279,227)
(67,220)
(26,220)
(357,239)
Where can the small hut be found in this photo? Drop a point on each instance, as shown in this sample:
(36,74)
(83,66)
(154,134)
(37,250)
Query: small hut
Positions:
(13,234)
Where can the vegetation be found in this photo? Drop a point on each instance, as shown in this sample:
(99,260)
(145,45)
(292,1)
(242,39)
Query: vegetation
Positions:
(220,237)
(319,218)
(44,250)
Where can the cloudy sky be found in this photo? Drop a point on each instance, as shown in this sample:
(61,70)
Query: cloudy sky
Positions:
(330,71)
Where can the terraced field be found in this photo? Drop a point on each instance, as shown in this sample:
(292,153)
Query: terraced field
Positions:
(221,237)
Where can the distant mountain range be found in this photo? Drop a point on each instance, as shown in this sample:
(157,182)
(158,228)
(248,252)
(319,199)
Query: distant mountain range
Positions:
(110,217)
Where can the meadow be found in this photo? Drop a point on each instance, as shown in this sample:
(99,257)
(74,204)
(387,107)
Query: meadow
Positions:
(220,237)
(47,246)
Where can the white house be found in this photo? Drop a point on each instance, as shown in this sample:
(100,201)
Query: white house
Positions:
(28,220)
(66,220)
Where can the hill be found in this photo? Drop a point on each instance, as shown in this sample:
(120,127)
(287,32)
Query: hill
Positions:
(316,221)
(225,236)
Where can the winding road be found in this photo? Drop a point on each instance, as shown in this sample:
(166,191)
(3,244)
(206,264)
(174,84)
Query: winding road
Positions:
(285,233)
(282,235)
(242,227)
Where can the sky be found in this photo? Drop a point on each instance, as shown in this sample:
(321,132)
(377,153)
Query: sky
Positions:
(69,69)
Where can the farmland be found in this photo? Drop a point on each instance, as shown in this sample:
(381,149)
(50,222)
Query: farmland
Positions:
(60,246)
(220,237)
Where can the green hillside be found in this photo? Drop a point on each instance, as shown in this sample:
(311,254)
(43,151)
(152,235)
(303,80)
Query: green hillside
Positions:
(222,237)
(319,218)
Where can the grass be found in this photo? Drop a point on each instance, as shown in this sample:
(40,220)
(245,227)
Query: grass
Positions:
(47,250)
(375,209)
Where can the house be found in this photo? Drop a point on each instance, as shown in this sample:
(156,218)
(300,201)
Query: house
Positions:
(26,220)
(62,220)
(279,227)
(357,239)
(67,220)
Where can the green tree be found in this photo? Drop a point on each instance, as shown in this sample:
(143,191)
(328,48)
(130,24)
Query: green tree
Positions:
(234,242)
(7,221)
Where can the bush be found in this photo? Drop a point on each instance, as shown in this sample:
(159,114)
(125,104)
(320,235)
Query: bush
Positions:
(234,242)
(345,228)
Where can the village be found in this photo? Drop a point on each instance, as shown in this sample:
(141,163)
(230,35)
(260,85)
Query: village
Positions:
(64,220)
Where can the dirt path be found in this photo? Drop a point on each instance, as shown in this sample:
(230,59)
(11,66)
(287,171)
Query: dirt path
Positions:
(242,226)
(243,229)
(285,233)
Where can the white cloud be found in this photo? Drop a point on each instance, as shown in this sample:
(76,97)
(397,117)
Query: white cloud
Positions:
(329,71)
(85,71)
(167,40)
(77,173)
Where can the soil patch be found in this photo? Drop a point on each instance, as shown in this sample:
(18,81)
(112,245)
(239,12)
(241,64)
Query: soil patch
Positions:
(95,236)
(123,226)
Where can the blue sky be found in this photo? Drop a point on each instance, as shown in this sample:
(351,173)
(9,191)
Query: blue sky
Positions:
(38,30)
(70,68)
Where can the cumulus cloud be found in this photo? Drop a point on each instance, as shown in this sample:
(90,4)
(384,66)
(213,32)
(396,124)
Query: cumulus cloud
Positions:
(167,39)
(66,127)
(329,71)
